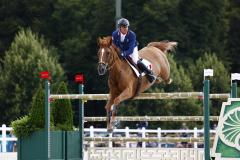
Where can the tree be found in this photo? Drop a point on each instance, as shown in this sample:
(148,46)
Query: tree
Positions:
(220,82)
(199,26)
(159,21)
(21,14)
(19,79)
(36,114)
(205,26)
(62,110)
(34,120)
(221,79)
(37,111)
(233,36)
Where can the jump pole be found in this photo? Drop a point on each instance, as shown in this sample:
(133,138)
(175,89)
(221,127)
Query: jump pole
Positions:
(45,76)
(206,87)
(79,79)
(234,78)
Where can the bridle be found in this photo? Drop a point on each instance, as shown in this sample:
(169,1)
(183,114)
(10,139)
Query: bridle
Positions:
(108,67)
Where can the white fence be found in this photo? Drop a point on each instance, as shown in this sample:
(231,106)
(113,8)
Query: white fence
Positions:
(5,136)
(126,132)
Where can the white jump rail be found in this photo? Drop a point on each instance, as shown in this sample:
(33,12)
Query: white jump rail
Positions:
(153,118)
(143,96)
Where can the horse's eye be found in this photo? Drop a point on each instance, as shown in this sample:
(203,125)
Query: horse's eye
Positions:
(108,54)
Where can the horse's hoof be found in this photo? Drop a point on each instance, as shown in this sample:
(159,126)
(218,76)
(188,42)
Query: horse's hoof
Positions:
(110,130)
(169,81)
(116,123)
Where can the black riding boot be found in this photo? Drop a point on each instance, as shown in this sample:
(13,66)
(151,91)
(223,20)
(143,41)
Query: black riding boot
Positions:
(150,75)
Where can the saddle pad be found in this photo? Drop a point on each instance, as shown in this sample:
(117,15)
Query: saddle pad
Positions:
(146,62)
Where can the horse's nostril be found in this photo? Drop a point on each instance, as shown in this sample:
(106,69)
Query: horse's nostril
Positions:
(101,69)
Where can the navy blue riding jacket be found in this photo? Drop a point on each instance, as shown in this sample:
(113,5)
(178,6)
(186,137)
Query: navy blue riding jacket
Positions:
(128,44)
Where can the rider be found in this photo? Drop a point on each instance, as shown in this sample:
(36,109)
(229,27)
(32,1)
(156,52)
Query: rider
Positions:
(125,40)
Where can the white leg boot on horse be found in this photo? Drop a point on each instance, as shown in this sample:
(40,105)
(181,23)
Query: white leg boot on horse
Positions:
(111,121)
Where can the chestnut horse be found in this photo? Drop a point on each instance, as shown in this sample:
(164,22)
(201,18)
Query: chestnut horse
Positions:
(122,81)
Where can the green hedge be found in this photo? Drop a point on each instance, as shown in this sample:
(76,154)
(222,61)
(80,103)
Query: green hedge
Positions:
(62,110)
(61,114)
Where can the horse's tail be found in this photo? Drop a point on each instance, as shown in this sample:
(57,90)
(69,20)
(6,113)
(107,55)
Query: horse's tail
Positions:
(164,46)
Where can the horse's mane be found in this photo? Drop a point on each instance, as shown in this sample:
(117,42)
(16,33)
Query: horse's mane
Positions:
(105,41)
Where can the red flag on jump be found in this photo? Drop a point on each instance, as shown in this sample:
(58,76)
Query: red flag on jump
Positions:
(44,75)
(79,78)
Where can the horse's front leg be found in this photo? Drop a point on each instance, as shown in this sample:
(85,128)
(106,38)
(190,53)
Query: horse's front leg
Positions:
(113,113)
(126,94)
(109,114)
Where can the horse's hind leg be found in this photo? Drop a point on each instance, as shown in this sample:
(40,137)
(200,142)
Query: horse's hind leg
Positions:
(166,77)
(167,80)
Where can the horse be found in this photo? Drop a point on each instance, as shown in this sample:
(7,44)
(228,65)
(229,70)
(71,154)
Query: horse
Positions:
(122,81)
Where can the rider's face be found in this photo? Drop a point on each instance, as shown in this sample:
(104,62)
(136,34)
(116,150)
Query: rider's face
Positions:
(123,29)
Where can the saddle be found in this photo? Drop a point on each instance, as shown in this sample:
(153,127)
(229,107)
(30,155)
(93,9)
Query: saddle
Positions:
(135,68)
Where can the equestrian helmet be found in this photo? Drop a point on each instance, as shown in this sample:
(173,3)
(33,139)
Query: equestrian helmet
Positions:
(123,22)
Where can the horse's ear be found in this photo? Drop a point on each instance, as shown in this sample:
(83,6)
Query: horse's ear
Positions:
(99,39)
(110,39)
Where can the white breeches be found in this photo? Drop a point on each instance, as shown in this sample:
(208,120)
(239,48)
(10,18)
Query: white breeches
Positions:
(134,55)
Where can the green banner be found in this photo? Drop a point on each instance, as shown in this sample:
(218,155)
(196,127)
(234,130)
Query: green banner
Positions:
(227,140)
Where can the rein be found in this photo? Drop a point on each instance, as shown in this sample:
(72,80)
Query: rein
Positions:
(112,49)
